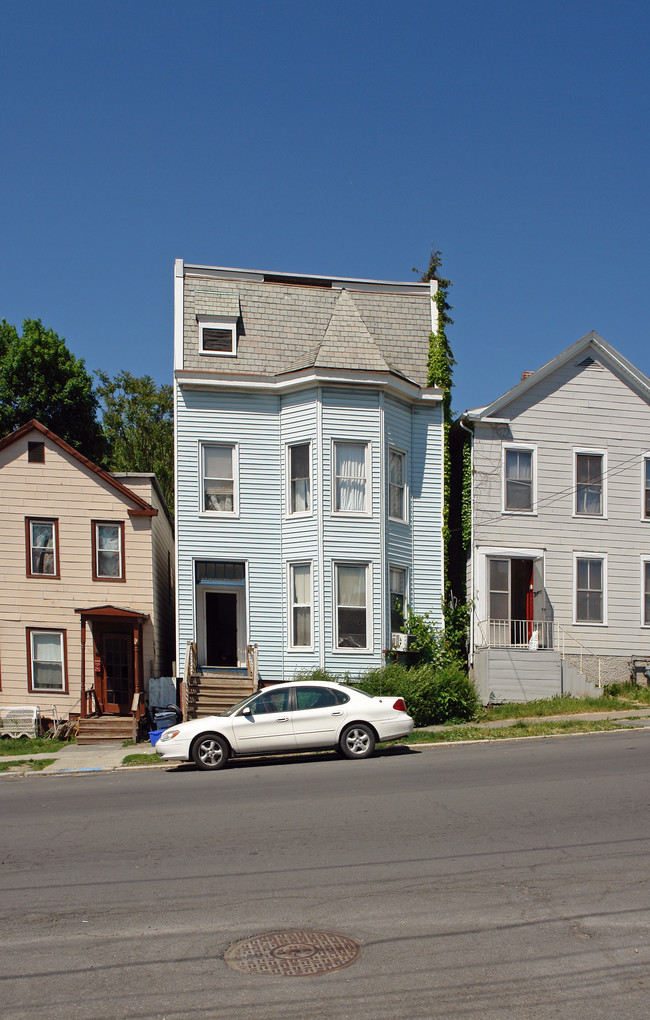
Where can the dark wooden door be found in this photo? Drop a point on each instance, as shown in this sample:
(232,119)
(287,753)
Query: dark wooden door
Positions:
(221,628)
(114,681)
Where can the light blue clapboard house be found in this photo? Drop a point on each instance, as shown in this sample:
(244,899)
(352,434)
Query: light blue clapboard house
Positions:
(308,467)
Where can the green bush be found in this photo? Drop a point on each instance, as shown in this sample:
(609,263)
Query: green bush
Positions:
(433,696)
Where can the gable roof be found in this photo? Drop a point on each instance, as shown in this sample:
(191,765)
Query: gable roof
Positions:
(590,342)
(141,507)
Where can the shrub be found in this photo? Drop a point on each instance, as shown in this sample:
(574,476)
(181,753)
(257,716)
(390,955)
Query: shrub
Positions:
(432,695)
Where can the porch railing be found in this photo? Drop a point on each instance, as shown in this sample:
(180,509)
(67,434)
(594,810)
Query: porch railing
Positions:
(190,669)
(531,634)
(251,664)
(534,635)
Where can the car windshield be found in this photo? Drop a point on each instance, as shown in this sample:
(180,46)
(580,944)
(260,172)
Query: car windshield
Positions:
(240,704)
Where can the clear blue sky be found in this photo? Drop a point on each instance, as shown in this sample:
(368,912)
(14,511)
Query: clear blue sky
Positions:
(338,138)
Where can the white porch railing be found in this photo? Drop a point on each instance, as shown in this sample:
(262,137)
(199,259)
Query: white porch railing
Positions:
(532,634)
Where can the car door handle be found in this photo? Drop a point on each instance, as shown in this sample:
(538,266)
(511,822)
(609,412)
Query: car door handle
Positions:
(284,718)
(337,713)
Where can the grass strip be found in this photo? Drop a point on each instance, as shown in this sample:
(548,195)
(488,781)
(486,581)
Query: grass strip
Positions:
(34,766)
(30,745)
(142,759)
(453,734)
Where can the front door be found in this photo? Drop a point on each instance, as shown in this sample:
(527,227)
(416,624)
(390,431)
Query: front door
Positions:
(221,628)
(114,673)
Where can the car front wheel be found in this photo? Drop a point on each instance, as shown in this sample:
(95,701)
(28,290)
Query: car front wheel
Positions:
(210,752)
(357,741)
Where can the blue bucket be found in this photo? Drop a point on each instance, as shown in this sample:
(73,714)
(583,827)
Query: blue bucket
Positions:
(154,735)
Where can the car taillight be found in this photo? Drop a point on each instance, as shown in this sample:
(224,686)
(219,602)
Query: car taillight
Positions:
(399,705)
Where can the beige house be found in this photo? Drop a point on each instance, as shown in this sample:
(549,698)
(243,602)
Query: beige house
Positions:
(86,591)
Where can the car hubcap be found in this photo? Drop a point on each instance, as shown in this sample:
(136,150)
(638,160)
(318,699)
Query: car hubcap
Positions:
(357,741)
(210,753)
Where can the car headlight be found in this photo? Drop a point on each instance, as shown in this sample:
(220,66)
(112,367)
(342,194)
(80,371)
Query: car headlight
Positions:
(169,734)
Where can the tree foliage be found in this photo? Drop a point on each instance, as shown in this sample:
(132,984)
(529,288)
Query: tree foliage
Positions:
(40,378)
(138,426)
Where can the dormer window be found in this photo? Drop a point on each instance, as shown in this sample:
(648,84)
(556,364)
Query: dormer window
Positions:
(218,336)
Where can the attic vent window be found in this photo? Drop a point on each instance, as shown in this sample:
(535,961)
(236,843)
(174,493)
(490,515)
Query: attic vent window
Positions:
(218,337)
(36,453)
(586,363)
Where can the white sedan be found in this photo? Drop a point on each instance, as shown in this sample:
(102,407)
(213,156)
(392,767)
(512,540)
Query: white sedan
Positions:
(296,716)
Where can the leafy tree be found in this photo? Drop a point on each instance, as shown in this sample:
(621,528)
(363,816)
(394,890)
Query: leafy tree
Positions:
(40,378)
(138,426)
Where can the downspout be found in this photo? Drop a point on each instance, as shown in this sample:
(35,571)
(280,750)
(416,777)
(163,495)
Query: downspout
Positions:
(471,541)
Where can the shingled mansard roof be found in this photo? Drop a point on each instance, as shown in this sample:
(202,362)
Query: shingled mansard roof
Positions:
(289,324)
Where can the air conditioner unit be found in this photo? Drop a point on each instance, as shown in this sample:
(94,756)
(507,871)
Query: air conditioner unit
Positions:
(399,642)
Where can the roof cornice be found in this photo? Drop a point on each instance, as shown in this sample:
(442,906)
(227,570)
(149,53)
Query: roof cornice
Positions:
(304,378)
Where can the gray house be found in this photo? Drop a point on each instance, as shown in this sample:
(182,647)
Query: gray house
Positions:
(559,565)
(309,471)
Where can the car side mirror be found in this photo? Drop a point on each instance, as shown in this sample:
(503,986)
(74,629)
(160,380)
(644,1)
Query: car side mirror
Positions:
(246,710)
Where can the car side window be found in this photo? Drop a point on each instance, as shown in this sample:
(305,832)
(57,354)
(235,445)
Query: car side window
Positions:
(318,697)
(270,701)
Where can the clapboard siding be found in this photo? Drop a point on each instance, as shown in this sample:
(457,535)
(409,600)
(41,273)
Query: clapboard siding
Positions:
(585,407)
(65,489)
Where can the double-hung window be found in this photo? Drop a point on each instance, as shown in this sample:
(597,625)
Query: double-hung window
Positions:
(645,492)
(396,485)
(590,483)
(301,602)
(219,463)
(397,597)
(42,539)
(350,477)
(519,479)
(108,550)
(645,592)
(46,660)
(352,628)
(299,456)
(590,589)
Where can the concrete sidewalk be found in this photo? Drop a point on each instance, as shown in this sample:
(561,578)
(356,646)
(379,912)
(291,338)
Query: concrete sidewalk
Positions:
(75,759)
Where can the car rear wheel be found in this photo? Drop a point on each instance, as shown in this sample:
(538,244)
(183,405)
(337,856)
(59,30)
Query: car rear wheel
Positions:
(210,752)
(357,741)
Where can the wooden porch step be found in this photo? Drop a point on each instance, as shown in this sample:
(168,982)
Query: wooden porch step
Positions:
(212,693)
(106,729)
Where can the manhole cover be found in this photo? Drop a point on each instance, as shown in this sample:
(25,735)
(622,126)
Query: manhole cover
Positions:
(293,953)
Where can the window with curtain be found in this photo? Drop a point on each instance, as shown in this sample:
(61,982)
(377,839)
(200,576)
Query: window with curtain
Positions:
(351,605)
(589,484)
(646,487)
(396,485)
(646,593)
(46,660)
(518,480)
(108,540)
(350,483)
(301,599)
(219,478)
(299,479)
(42,560)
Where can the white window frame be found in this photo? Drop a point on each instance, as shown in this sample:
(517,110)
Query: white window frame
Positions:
(602,558)
(645,467)
(645,561)
(292,646)
(288,448)
(63,688)
(367,505)
(234,447)
(226,322)
(405,491)
(347,649)
(526,448)
(404,570)
(589,452)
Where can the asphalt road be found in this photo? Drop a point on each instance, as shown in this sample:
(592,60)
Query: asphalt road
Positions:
(501,880)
